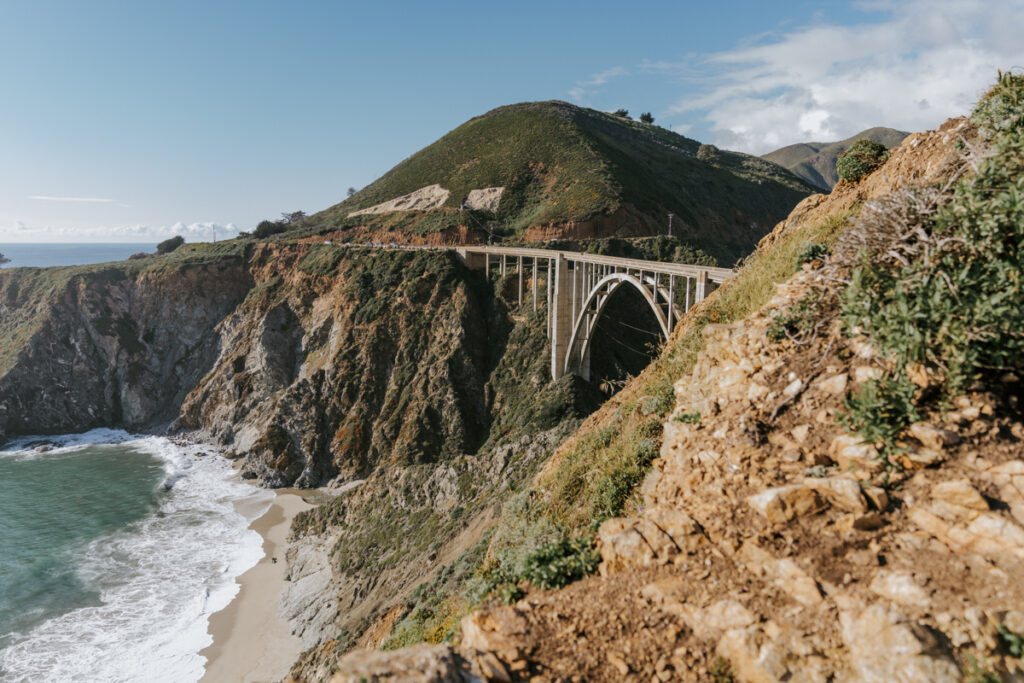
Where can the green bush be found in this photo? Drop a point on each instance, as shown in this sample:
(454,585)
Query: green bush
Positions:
(267,228)
(863,157)
(880,410)
(557,564)
(167,246)
(812,252)
(950,297)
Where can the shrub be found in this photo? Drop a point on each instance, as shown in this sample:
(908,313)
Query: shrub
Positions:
(622,113)
(557,564)
(880,410)
(267,228)
(863,157)
(799,321)
(812,252)
(646,117)
(167,246)
(947,293)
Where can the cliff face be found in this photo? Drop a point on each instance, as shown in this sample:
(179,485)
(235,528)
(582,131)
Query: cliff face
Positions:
(107,346)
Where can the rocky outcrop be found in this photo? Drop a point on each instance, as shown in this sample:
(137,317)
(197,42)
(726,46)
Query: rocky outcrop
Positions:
(423,199)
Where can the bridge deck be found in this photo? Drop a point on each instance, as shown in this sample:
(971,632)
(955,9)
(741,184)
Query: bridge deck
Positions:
(717,275)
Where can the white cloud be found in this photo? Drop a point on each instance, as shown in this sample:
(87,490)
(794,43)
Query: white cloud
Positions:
(926,61)
(579,92)
(606,75)
(48,198)
(192,232)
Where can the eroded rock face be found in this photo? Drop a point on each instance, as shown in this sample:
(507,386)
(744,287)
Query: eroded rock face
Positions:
(111,347)
(423,199)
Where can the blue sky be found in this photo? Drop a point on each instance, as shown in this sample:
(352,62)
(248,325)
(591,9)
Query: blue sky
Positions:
(135,120)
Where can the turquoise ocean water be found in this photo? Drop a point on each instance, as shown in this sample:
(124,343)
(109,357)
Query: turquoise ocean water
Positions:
(41,255)
(114,551)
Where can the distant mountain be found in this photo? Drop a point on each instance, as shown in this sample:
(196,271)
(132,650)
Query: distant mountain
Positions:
(815,162)
(544,170)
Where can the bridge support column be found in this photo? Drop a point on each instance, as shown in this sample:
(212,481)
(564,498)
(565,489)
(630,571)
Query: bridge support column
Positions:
(561,312)
(519,272)
(702,285)
(533,288)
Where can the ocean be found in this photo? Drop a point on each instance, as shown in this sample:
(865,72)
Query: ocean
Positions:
(114,551)
(41,255)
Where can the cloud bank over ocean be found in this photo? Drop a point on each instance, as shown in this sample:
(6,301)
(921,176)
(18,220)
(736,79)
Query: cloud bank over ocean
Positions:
(192,232)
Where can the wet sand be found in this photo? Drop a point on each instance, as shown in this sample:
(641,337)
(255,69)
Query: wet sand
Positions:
(251,641)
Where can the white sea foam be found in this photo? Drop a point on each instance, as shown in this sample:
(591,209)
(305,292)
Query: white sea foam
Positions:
(159,579)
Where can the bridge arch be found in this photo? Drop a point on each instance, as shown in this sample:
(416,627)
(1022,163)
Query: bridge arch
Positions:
(577,359)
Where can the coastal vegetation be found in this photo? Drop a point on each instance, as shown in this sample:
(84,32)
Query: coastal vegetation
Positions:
(169,245)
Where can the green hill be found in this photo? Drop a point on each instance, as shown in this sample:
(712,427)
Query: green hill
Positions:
(815,162)
(571,172)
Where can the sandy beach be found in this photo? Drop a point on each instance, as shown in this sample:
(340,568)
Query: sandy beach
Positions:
(251,642)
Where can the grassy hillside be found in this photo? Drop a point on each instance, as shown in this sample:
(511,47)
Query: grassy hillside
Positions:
(562,165)
(815,162)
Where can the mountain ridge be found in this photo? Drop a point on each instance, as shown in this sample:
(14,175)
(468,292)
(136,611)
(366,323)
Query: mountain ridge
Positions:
(556,170)
(815,162)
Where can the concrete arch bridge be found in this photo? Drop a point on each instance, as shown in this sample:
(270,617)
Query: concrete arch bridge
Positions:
(579,287)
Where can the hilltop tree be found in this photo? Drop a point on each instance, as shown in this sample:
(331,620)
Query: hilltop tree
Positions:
(646,117)
(293,217)
(351,191)
(624,113)
(167,246)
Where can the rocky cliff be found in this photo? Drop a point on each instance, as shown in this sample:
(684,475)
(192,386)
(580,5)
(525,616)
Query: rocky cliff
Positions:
(119,344)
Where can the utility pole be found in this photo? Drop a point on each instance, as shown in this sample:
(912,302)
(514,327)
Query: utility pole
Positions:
(670,224)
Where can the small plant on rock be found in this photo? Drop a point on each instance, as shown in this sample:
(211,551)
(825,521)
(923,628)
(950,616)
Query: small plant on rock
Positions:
(557,564)
(812,252)
(880,410)
(800,321)
(863,157)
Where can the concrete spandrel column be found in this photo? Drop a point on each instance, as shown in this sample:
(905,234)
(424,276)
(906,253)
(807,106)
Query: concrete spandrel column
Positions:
(702,285)
(562,316)
(519,271)
(533,286)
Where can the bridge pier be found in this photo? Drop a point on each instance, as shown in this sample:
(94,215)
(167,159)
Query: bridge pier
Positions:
(561,315)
